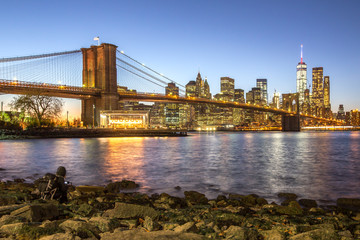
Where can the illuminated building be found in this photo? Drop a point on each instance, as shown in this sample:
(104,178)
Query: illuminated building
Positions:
(202,89)
(227,88)
(124,119)
(172,119)
(262,84)
(355,117)
(276,100)
(157,115)
(317,87)
(341,112)
(327,92)
(301,79)
(191,89)
(239,95)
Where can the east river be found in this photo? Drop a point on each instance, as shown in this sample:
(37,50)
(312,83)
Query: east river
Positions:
(315,165)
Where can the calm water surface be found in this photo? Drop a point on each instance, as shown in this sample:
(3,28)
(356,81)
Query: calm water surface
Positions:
(316,165)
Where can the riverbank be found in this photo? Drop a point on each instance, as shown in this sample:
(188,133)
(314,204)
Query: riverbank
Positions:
(88,133)
(112,212)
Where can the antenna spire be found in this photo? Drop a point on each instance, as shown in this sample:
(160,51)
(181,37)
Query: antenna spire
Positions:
(301,54)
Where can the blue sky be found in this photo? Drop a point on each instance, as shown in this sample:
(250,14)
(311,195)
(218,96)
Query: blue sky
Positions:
(245,40)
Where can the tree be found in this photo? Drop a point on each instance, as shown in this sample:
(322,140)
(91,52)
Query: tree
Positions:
(42,108)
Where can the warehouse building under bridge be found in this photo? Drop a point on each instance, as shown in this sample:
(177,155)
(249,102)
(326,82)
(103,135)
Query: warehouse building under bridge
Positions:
(124,119)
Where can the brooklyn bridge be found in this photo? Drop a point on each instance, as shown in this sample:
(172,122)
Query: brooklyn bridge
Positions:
(102,81)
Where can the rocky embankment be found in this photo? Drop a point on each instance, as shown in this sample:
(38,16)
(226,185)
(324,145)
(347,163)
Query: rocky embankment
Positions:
(107,213)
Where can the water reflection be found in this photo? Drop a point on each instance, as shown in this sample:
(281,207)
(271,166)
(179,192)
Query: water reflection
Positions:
(313,165)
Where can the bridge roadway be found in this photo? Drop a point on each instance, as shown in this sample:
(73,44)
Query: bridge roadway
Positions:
(63,91)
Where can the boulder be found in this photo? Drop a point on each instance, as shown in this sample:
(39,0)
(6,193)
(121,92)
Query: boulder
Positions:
(308,203)
(349,203)
(8,219)
(125,210)
(80,227)
(150,224)
(195,198)
(187,227)
(13,228)
(292,209)
(288,196)
(240,233)
(104,224)
(92,190)
(60,236)
(37,212)
(319,234)
(272,234)
(115,187)
(137,234)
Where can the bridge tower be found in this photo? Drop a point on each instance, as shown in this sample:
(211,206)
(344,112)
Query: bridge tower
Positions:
(291,123)
(99,71)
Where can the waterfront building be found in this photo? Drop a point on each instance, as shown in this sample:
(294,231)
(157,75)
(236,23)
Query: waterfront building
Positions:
(124,119)
(341,113)
(301,78)
(262,84)
(276,100)
(317,87)
(327,92)
(172,117)
(202,88)
(227,88)
(355,117)
(190,89)
(239,95)
(157,115)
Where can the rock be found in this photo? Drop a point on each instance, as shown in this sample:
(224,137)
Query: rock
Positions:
(61,236)
(37,212)
(273,234)
(195,198)
(288,196)
(89,190)
(319,234)
(235,196)
(293,209)
(125,210)
(150,225)
(115,187)
(104,224)
(240,233)
(4,210)
(82,228)
(345,235)
(261,201)
(137,234)
(308,203)
(221,198)
(129,223)
(187,227)
(8,219)
(349,203)
(12,229)
(166,201)
(170,226)
(178,188)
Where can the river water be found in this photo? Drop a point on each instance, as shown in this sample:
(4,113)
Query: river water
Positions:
(316,165)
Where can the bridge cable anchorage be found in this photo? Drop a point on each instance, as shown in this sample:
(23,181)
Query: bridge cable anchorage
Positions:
(143,72)
(37,56)
(162,75)
(140,76)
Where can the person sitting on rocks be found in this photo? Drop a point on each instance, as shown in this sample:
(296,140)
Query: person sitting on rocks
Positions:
(61,193)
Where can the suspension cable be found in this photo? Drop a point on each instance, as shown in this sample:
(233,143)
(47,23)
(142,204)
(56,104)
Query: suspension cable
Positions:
(140,76)
(150,68)
(37,56)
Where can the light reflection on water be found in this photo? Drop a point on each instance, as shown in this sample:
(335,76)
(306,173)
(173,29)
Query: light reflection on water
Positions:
(317,165)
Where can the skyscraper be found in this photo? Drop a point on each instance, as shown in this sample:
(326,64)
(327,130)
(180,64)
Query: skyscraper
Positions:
(301,80)
(227,88)
(327,92)
(317,87)
(262,84)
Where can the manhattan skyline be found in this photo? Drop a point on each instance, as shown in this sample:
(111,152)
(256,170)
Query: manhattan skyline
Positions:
(244,41)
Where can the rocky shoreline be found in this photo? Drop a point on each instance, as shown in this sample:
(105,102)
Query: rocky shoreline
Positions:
(94,212)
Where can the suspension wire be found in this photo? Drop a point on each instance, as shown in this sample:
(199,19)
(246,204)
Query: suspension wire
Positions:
(140,76)
(150,68)
(37,56)
(149,75)
(143,72)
